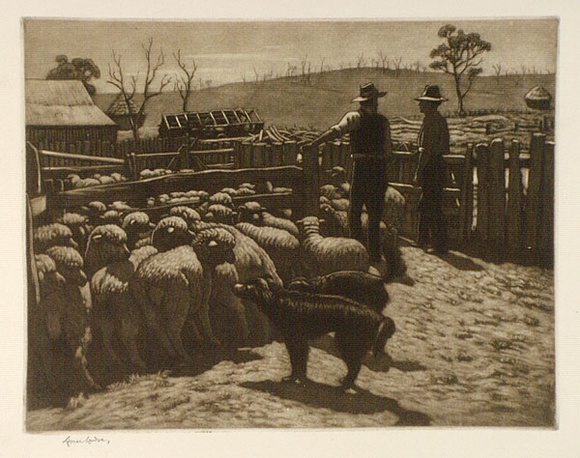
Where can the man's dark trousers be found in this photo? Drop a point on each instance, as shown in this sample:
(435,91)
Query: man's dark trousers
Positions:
(368,188)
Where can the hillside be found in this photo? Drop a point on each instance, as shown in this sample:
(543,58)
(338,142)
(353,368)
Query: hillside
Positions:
(321,101)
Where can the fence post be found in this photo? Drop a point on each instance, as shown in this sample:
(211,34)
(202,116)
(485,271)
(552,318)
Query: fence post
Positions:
(546,237)
(533,201)
(466,197)
(482,229)
(289,153)
(277,154)
(497,195)
(515,214)
(310,181)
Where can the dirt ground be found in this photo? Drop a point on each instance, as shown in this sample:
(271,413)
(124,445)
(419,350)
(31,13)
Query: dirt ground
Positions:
(474,347)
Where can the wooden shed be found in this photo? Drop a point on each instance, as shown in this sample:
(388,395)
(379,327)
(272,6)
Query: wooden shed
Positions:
(119,112)
(63,111)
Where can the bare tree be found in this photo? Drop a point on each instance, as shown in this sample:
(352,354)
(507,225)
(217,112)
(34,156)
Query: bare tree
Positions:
(397,64)
(384,60)
(184,84)
(361,61)
(497,71)
(128,87)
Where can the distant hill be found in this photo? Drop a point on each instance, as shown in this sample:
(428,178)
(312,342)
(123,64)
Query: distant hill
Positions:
(326,97)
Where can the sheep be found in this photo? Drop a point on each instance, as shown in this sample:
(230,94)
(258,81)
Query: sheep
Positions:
(170,232)
(188,214)
(251,261)
(218,213)
(253,212)
(339,180)
(342,204)
(94,210)
(138,227)
(111,217)
(324,255)
(120,206)
(107,244)
(281,246)
(335,221)
(330,192)
(79,226)
(59,327)
(394,210)
(361,287)
(169,287)
(221,198)
(115,314)
(215,247)
(55,234)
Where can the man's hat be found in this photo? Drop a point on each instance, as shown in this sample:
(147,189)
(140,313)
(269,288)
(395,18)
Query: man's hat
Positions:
(368,91)
(431,94)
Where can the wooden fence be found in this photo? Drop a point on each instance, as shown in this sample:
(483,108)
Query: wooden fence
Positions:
(498,198)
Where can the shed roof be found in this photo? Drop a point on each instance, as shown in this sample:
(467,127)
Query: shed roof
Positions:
(62,103)
(119,107)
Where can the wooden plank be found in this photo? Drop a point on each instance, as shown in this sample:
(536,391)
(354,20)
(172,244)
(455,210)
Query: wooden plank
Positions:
(514,212)
(311,181)
(326,156)
(466,197)
(79,157)
(496,195)
(277,154)
(289,149)
(546,236)
(482,155)
(533,199)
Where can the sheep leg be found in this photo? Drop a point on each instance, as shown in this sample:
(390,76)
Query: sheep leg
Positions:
(203,313)
(298,349)
(150,304)
(129,334)
(107,331)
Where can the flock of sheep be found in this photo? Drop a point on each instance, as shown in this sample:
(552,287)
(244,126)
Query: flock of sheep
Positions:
(144,293)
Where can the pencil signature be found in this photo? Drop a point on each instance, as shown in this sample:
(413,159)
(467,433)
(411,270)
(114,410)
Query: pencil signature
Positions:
(87,440)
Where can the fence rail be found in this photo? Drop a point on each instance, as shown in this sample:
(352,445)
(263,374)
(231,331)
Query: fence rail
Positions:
(496,196)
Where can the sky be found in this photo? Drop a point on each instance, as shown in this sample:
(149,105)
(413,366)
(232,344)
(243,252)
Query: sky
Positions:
(232,51)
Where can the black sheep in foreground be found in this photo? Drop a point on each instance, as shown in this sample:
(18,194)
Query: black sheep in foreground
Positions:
(300,316)
(359,286)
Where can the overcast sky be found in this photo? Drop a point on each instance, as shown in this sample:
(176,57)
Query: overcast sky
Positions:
(228,51)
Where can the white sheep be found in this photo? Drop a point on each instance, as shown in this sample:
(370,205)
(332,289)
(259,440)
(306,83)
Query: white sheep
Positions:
(107,244)
(79,226)
(324,255)
(138,227)
(168,287)
(251,262)
(115,314)
(253,212)
(55,234)
(170,232)
(219,213)
(59,327)
(281,246)
(221,198)
(188,214)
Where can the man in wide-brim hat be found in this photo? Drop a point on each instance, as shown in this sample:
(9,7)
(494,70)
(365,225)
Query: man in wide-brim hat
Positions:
(370,140)
(433,143)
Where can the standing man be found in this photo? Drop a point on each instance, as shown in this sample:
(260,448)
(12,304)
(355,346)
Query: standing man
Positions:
(430,174)
(370,140)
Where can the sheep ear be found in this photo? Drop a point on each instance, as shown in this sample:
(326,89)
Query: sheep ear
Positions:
(151,225)
(98,237)
(132,222)
(212,243)
(321,220)
(170,229)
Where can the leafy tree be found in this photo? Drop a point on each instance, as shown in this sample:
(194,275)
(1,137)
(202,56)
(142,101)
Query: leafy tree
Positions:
(459,56)
(79,68)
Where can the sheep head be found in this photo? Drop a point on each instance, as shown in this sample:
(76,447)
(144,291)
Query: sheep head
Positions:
(214,246)
(170,232)
(251,212)
(50,235)
(107,244)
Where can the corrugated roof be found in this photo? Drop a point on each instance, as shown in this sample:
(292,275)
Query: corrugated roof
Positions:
(61,103)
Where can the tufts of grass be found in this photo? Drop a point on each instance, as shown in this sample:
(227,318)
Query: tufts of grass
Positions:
(76,401)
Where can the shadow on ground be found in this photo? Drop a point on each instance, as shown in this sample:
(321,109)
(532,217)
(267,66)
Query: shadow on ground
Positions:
(328,397)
